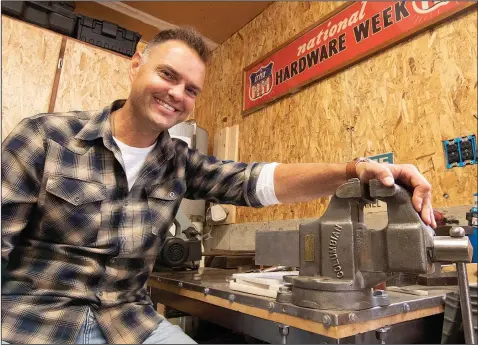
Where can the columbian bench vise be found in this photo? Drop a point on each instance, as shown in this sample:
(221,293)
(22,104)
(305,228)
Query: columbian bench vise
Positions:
(341,260)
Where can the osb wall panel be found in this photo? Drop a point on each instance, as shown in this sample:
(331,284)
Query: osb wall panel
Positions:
(415,96)
(140,46)
(91,78)
(365,102)
(273,133)
(29,61)
(220,104)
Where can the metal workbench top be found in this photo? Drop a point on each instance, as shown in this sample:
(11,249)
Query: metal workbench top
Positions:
(214,282)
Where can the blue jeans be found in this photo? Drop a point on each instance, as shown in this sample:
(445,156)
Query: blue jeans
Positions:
(165,333)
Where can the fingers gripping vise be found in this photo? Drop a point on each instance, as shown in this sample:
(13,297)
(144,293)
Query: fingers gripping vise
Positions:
(341,259)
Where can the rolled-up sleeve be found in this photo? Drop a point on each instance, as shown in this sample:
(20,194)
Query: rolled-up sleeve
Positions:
(225,182)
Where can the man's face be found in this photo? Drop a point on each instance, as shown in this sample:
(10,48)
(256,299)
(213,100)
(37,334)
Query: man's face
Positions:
(165,84)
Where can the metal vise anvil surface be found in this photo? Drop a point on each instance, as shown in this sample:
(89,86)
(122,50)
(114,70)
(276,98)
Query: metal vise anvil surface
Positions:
(341,260)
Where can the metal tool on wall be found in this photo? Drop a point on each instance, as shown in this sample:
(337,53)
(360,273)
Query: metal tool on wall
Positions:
(341,260)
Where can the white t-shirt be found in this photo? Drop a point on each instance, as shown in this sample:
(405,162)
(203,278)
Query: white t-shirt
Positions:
(133,158)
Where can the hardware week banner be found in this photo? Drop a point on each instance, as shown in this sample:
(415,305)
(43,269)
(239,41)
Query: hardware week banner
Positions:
(355,31)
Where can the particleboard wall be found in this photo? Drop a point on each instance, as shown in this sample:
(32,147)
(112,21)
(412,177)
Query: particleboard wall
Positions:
(91,77)
(416,93)
(29,56)
(140,46)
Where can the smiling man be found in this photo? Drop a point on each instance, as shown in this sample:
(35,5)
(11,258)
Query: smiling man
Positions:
(165,81)
(87,198)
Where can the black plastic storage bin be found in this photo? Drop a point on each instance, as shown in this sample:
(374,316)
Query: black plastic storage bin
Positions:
(68,5)
(47,14)
(107,35)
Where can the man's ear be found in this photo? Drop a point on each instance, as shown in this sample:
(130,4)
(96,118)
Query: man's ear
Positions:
(136,62)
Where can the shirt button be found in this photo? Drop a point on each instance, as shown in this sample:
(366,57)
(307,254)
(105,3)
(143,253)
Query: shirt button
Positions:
(77,199)
(113,261)
(172,194)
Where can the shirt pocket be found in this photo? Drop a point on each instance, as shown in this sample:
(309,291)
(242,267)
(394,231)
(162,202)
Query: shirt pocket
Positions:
(72,210)
(163,201)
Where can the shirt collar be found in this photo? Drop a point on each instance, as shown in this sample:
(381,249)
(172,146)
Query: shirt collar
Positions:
(99,126)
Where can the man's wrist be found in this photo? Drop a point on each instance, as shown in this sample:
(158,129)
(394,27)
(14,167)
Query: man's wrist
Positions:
(351,167)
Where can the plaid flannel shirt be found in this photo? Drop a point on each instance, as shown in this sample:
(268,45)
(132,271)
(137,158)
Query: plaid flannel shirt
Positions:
(74,237)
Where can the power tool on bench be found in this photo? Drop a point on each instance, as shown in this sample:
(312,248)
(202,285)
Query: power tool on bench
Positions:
(180,248)
(341,259)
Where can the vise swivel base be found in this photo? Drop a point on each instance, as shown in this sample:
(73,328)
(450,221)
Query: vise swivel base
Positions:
(341,260)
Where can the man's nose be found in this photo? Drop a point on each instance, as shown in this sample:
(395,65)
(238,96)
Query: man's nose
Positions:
(177,92)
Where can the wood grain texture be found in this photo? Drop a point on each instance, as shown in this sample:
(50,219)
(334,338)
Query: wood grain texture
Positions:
(417,95)
(226,147)
(406,99)
(29,61)
(92,78)
(56,81)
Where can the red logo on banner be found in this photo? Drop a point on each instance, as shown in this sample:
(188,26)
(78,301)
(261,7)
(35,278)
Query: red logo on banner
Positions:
(423,7)
(356,31)
(261,82)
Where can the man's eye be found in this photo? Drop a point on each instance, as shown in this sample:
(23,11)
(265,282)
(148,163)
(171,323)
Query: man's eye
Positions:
(166,74)
(192,92)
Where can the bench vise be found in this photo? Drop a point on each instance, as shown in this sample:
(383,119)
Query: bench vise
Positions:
(341,260)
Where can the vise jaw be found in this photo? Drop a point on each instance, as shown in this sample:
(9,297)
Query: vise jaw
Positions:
(341,259)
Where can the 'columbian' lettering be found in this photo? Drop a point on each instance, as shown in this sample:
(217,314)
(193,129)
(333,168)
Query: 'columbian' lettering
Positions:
(334,259)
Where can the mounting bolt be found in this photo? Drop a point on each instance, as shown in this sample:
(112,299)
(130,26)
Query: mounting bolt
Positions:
(270,306)
(283,329)
(180,284)
(206,291)
(284,332)
(381,297)
(326,320)
(352,317)
(382,333)
(405,308)
(284,288)
(232,297)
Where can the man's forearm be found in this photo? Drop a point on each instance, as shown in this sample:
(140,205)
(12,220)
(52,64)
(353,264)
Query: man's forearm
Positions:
(307,181)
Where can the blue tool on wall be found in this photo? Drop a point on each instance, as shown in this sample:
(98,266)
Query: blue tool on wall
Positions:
(472,218)
(460,151)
